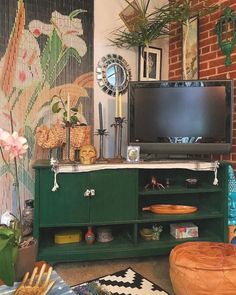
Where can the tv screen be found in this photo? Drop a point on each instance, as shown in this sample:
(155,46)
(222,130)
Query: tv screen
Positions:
(180,117)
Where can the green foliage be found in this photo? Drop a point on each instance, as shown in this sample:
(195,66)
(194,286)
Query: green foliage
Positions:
(26,178)
(8,253)
(182,10)
(30,139)
(33,99)
(61,63)
(60,105)
(147,27)
(150,26)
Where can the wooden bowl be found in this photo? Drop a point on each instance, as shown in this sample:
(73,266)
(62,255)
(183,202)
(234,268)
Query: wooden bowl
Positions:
(146,233)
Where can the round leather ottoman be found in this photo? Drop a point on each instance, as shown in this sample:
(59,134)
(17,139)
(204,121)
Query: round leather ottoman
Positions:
(202,268)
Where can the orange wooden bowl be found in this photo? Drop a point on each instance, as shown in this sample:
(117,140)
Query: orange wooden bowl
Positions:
(170,209)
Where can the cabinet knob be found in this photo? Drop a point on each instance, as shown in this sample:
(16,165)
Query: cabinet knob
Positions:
(92,192)
(87,193)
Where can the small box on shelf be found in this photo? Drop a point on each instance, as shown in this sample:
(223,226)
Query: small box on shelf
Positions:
(184,230)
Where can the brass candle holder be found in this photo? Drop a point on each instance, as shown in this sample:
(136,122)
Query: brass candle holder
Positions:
(118,125)
(101,133)
(67,160)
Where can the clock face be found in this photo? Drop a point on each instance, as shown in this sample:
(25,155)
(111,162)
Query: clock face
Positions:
(113,73)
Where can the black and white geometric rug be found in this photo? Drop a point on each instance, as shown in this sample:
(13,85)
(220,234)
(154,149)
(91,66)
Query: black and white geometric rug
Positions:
(124,282)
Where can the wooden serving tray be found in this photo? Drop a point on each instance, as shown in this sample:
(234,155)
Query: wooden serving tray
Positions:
(170,209)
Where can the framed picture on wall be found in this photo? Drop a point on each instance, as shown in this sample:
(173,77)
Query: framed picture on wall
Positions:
(190,50)
(152,69)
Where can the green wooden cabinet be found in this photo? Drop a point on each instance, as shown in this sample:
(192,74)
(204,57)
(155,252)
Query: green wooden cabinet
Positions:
(111,200)
(117,199)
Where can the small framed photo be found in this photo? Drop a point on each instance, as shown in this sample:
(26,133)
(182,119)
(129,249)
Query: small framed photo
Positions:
(151,70)
(133,153)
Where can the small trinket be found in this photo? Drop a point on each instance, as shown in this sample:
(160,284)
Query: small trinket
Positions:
(89,236)
(156,231)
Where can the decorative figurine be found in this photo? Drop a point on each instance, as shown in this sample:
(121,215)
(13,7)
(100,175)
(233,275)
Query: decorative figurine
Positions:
(89,236)
(88,155)
(154,184)
(156,231)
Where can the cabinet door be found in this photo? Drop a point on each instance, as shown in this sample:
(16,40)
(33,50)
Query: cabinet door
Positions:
(67,205)
(115,195)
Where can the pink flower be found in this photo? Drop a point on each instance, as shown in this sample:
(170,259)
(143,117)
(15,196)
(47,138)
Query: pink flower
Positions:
(14,144)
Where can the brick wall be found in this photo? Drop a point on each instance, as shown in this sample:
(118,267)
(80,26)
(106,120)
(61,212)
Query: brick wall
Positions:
(211,60)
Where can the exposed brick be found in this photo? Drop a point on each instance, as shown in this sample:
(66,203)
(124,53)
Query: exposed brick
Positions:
(204,20)
(204,65)
(208,56)
(177,51)
(208,73)
(215,47)
(172,47)
(217,62)
(205,49)
(174,59)
(175,66)
(208,41)
(204,35)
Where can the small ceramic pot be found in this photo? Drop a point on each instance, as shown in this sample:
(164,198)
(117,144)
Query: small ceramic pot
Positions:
(104,234)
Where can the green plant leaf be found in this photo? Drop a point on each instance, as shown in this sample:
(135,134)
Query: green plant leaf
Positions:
(55,107)
(51,54)
(25,178)
(3,169)
(74,110)
(33,98)
(75,12)
(73,119)
(60,65)
(8,250)
(30,139)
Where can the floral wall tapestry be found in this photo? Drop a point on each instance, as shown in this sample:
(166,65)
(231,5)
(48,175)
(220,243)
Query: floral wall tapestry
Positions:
(46,53)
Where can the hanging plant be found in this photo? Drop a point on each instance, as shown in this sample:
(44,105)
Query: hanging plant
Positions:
(147,27)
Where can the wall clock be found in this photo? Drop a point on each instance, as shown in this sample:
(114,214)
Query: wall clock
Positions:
(113,73)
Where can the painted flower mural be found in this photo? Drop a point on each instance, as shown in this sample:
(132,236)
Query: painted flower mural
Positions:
(34,69)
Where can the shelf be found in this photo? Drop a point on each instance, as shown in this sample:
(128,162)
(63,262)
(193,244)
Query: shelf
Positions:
(49,251)
(201,214)
(180,189)
(166,240)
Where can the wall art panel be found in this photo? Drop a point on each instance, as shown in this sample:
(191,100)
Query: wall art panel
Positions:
(46,55)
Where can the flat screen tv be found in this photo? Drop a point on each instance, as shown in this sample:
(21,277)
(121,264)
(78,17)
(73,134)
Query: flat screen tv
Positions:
(181,117)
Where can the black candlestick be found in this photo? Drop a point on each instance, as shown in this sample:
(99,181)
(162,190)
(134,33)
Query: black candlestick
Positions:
(101,133)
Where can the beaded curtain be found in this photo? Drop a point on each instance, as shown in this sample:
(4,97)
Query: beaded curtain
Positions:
(46,53)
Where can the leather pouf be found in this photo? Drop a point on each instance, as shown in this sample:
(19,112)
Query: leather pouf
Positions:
(202,268)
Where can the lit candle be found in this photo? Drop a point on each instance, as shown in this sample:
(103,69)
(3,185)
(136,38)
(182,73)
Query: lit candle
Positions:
(120,106)
(100,115)
(68,108)
(117,102)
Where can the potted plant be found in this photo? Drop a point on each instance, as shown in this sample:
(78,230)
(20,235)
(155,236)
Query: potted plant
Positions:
(12,244)
(147,26)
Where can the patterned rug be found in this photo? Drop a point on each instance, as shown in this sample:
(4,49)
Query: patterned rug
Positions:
(125,282)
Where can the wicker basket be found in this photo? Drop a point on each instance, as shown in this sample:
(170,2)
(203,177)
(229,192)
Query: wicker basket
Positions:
(55,137)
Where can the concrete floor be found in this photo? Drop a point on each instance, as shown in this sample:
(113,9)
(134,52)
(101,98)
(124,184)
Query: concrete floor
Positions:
(156,269)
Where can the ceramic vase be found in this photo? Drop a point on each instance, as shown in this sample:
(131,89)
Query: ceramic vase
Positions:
(25,261)
(89,236)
